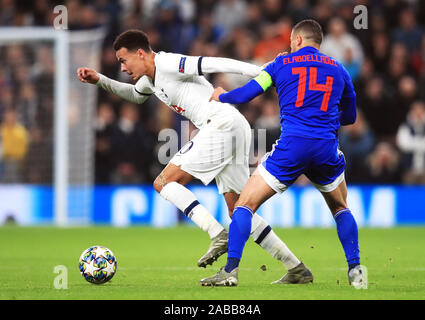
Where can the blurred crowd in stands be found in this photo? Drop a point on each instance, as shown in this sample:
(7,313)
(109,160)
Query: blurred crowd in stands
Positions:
(386,61)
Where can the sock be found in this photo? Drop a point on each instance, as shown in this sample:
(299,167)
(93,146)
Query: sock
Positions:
(239,231)
(348,236)
(186,201)
(265,237)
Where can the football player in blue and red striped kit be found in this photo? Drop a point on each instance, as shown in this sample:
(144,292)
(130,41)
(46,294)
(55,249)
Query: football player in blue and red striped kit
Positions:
(316,96)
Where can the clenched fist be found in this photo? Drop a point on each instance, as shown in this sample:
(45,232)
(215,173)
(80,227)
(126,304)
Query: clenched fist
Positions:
(88,75)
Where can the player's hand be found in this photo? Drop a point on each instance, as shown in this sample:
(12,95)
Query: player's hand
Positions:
(279,54)
(282,53)
(88,75)
(216,93)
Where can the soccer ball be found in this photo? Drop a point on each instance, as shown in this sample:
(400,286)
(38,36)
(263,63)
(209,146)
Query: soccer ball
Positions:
(97,264)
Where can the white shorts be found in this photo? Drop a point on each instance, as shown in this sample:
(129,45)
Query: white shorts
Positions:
(220,150)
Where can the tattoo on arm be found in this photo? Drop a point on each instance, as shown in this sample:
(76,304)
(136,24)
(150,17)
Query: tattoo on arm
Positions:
(162,180)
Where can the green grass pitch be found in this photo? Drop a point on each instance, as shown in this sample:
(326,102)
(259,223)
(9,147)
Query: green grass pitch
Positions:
(160,264)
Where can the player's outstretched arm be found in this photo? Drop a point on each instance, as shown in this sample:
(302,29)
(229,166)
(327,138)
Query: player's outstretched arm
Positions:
(192,65)
(246,93)
(239,95)
(227,65)
(124,90)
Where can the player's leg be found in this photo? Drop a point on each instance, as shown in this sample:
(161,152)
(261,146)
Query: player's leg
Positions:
(346,229)
(239,231)
(263,235)
(328,177)
(218,244)
(255,192)
(204,157)
(170,184)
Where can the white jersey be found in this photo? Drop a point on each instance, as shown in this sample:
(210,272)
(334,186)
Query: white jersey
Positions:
(180,84)
(220,150)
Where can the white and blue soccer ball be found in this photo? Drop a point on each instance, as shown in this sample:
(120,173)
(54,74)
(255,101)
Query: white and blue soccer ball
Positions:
(97,264)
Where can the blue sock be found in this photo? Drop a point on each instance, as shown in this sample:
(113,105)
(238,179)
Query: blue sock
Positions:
(239,231)
(348,236)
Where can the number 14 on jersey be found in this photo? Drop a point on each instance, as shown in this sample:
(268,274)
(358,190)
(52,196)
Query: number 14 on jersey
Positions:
(312,85)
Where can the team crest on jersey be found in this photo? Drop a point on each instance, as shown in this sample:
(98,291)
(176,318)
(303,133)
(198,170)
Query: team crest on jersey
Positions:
(181,64)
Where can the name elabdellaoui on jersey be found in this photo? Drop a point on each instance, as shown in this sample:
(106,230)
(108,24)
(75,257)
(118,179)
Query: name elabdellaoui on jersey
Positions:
(181,89)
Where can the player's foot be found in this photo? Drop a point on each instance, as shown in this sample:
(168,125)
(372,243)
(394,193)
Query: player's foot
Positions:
(217,247)
(298,275)
(222,279)
(357,278)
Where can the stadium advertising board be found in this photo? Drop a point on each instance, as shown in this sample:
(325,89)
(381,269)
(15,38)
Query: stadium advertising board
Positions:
(373,206)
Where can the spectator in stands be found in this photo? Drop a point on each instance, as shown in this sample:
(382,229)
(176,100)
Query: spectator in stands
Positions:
(338,41)
(128,148)
(380,51)
(272,10)
(269,120)
(38,164)
(170,26)
(271,43)
(356,141)
(14,139)
(26,105)
(409,33)
(7,12)
(352,66)
(411,141)
(383,165)
(389,77)
(230,14)
(374,103)
(206,29)
(298,10)
(407,94)
(103,152)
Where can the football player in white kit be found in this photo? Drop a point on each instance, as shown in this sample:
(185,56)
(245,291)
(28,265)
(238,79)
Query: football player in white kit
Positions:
(219,151)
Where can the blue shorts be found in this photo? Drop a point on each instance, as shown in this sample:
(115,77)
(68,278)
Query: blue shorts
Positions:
(319,159)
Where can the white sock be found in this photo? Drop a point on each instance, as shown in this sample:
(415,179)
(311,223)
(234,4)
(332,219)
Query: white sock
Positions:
(263,235)
(186,201)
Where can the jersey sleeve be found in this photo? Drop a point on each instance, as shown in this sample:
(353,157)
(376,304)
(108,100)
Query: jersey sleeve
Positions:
(198,65)
(348,112)
(243,94)
(249,91)
(126,91)
(143,87)
(271,70)
(226,65)
(178,64)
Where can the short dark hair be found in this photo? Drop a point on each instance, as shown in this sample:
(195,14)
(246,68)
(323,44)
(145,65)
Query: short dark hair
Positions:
(311,29)
(132,40)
